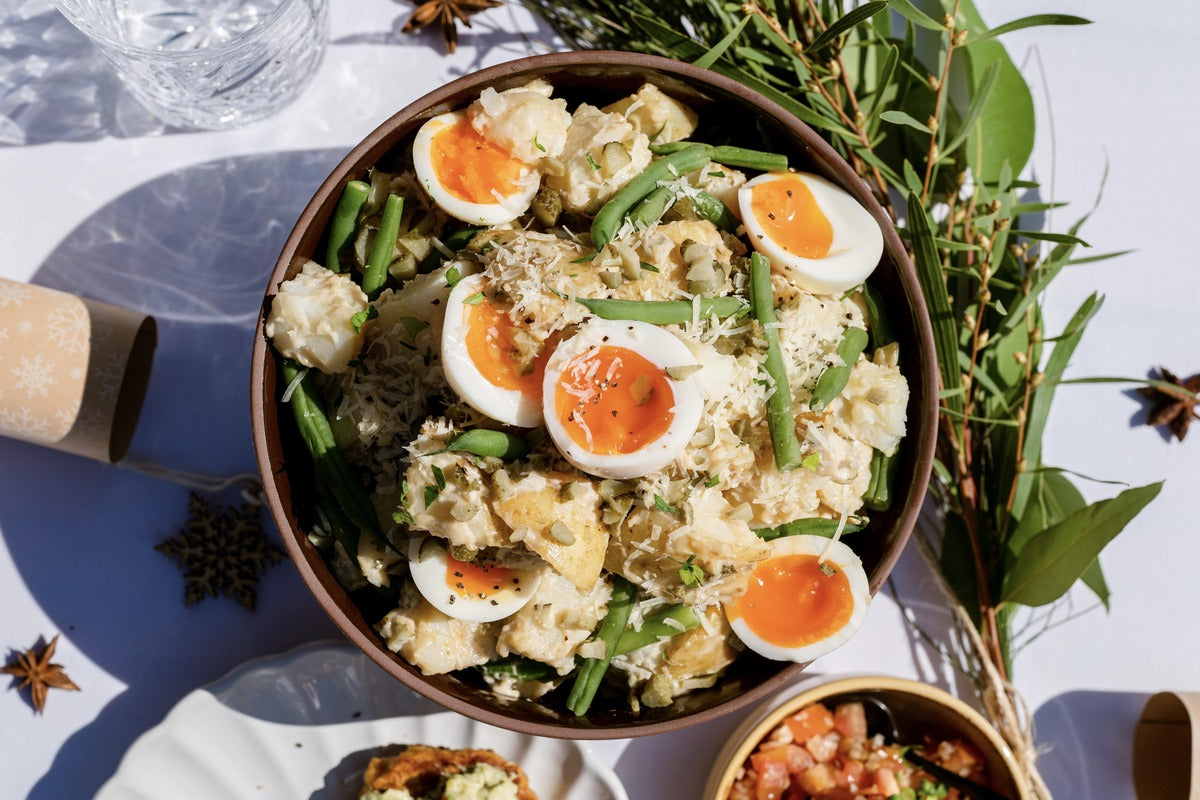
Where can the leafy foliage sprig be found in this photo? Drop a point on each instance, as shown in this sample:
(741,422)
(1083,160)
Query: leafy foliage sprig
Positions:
(928,107)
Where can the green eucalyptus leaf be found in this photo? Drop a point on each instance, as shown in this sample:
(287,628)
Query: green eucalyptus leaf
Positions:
(958,565)
(1048,236)
(1006,124)
(1054,559)
(904,118)
(933,285)
(970,123)
(846,22)
(1043,394)
(1093,578)
(1100,257)
(916,16)
(1033,21)
(718,50)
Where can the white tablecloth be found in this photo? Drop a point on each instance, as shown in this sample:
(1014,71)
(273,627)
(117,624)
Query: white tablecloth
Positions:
(96,199)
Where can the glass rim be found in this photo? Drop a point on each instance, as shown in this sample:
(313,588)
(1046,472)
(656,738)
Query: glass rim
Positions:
(102,37)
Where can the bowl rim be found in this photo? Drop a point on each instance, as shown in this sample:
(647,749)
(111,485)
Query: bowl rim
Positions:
(746,737)
(921,437)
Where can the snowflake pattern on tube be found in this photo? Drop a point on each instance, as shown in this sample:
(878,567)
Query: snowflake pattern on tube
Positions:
(51,346)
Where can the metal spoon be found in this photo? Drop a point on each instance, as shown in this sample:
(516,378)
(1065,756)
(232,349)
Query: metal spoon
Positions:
(881,719)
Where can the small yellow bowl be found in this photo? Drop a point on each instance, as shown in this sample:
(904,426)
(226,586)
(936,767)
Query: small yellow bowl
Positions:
(920,704)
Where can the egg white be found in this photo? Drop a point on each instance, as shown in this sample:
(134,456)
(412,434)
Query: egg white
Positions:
(661,348)
(836,554)
(509,406)
(504,209)
(427,566)
(853,254)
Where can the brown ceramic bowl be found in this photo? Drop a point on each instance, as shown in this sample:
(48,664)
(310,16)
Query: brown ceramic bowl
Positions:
(917,707)
(726,110)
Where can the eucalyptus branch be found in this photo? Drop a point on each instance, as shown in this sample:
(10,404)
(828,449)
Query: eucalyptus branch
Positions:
(955,38)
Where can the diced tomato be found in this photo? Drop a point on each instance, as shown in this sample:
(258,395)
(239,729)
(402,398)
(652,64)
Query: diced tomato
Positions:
(884,782)
(814,720)
(962,759)
(796,757)
(823,748)
(773,778)
(851,720)
(850,775)
(818,780)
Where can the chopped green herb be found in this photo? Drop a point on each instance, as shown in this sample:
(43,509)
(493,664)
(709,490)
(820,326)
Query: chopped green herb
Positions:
(658,132)
(811,461)
(712,480)
(453,276)
(488,246)
(474,299)
(646,265)
(592,163)
(402,515)
(584,259)
(359,319)
(928,790)
(432,492)
(538,144)
(827,569)
(413,326)
(691,574)
(716,174)
(663,505)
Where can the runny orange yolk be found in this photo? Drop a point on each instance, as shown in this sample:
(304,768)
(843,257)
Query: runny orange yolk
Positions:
(611,400)
(490,342)
(478,581)
(470,167)
(790,217)
(791,602)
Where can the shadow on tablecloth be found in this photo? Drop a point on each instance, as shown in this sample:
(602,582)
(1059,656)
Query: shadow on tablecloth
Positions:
(194,249)
(1086,743)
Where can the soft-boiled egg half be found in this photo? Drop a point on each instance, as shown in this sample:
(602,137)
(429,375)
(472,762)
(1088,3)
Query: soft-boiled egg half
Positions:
(804,600)
(473,591)
(812,231)
(479,357)
(621,399)
(469,176)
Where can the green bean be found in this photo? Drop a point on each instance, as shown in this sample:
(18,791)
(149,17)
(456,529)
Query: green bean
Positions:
(651,207)
(780,421)
(344,531)
(883,478)
(667,168)
(713,210)
(656,627)
(833,379)
(376,273)
(489,443)
(749,159)
(664,312)
(587,680)
(519,669)
(729,155)
(878,324)
(332,465)
(810,526)
(345,217)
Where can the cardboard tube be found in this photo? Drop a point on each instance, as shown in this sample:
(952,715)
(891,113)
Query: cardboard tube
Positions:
(1166,748)
(73,371)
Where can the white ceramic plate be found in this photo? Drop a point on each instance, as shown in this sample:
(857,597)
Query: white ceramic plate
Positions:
(302,726)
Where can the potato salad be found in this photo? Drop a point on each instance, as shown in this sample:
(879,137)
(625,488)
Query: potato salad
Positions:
(595,406)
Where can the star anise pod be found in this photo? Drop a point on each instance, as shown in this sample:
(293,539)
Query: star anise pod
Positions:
(449,13)
(1170,406)
(36,672)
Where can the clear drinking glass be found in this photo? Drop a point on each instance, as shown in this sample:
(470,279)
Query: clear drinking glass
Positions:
(207,63)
